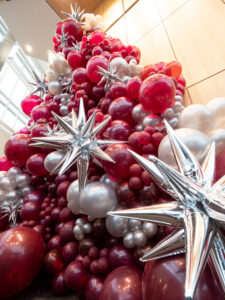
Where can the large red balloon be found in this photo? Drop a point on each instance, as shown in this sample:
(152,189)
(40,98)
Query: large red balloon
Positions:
(5,164)
(21,255)
(124,283)
(164,279)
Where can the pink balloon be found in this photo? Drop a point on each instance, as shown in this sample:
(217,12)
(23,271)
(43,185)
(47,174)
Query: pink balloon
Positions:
(220,165)
(164,279)
(124,283)
(5,164)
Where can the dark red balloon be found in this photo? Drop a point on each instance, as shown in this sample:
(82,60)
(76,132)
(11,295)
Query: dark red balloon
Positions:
(53,261)
(17,149)
(124,283)
(121,109)
(164,279)
(59,287)
(94,287)
(35,164)
(76,275)
(119,256)
(21,256)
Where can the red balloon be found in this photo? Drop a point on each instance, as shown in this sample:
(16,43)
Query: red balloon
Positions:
(122,283)
(164,279)
(157,93)
(21,256)
(5,164)
(29,103)
(35,164)
(17,149)
(220,165)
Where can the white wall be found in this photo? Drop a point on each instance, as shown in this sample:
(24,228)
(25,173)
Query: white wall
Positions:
(31,22)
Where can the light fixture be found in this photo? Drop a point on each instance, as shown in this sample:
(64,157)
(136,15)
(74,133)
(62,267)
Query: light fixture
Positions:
(28,48)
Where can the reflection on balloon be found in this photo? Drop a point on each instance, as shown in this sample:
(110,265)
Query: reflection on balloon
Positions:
(217,107)
(218,136)
(195,140)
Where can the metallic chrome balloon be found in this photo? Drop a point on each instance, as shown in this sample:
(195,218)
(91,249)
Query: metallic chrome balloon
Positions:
(149,229)
(87,228)
(22,180)
(198,211)
(7,184)
(197,116)
(52,160)
(128,240)
(54,87)
(140,238)
(139,113)
(134,224)
(195,140)
(151,120)
(116,226)
(97,198)
(73,198)
(14,172)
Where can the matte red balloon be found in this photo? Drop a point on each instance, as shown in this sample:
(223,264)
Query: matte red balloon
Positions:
(21,255)
(17,149)
(124,283)
(164,279)
(5,164)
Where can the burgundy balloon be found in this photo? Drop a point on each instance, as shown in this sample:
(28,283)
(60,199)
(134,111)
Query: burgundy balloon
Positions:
(62,188)
(76,275)
(69,252)
(164,279)
(119,256)
(21,256)
(66,214)
(53,262)
(59,287)
(35,164)
(55,242)
(30,211)
(66,232)
(123,283)
(94,287)
(34,196)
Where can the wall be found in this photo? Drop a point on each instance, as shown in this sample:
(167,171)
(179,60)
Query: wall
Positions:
(190,31)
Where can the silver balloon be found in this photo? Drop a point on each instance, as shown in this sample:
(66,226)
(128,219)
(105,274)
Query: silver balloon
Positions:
(168,113)
(97,198)
(7,184)
(151,120)
(120,63)
(177,107)
(64,110)
(128,240)
(23,180)
(80,221)
(14,172)
(3,174)
(52,160)
(174,122)
(26,190)
(13,195)
(87,228)
(179,98)
(140,238)
(197,116)
(134,224)
(116,226)
(73,198)
(139,113)
(217,107)
(195,140)
(149,229)
(105,178)
(2,195)
(78,232)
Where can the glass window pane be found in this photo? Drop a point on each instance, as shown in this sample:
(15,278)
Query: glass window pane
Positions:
(9,118)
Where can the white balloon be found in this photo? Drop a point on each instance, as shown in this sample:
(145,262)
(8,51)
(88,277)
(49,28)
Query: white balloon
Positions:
(73,198)
(59,63)
(195,140)
(218,136)
(217,107)
(54,87)
(52,160)
(51,75)
(197,116)
(122,64)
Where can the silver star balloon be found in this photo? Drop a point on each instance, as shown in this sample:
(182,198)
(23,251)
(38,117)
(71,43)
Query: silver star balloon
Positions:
(62,38)
(11,209)
(198,212)
(76,13)
(78,142)
(108,76)
(40,85)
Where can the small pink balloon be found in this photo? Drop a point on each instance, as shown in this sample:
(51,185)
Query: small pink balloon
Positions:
(5,164)
(122,283)
(29,102)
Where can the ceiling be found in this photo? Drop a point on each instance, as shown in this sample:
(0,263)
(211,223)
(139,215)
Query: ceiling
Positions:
(59,5)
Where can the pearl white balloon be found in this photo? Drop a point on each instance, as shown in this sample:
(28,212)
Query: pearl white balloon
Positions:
(122,64)
(54,87)
(217,107)
(139,113)
(14,172)
(140,238)
(51,75)
(197,116)
(116,226)
(218,136)
(23,180)
(149,229)
(97,198)
(59,63)
(134,224)
(2,195)
(73,198)
(128,240)
(7,184)
(3,174)
(13,195)
(179,98)
(195,140)
(52,160)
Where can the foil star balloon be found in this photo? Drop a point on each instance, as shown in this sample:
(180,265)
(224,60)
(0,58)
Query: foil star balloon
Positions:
(75,13)
(40,85)
(198,212)
(108,76)
(78,143)
(62,38)
(11,209)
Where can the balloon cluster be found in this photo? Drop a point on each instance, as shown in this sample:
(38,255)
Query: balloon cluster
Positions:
(14,186)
